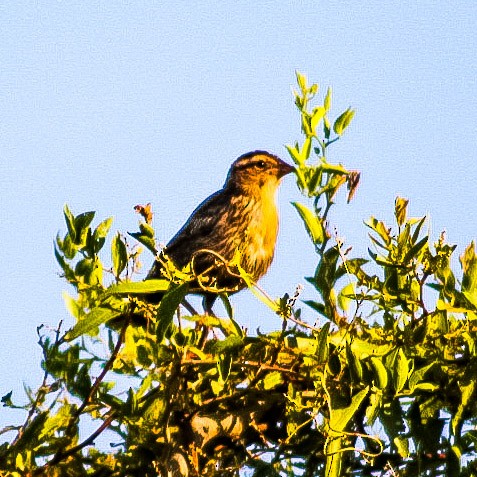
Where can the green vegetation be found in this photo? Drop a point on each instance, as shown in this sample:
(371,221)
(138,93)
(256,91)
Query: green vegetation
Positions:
(383,383)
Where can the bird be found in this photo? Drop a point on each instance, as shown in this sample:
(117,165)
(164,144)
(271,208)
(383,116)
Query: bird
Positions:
(242,218)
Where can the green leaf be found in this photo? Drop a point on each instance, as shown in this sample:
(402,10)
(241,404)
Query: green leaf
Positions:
(146,230)
(415,249)
(380,372)
(84,267)
(224,365)
(402,446)
(327,102)
(428,387)
(100,233)
(467,392)
(82,223)
(317,116)
(301,80)
(97,316)
(400,210)
(400,370)
(272,380)
(326,273)
(343,121)
(417,230)
(312,223)
(314,178)
(306,148)
(72,306)
(326,127)
(354,365)
(469,268)
(70,223)
(167,308)
(148,242)
(380,229)
(229,344)
(217,386)
(375,404)
(346,296)
(145,287)
(295,154)
(322,347)
(418,375)
(131,405)
(339,418)
(319,307)
(7,400)
(119,255)
(334,168)
(67,270)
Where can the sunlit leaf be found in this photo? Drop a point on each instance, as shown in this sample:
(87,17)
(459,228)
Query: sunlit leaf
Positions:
(146,230)
(354,365)
(70,223)
(380,373)
(224,365)
(339,418)
(301,80)
(343,121)
(272,380)
(327,101)
(152,285)
(312,223)
(317,116)
(400,371)
(402,446)
(82,223)
(167,308)
(97,316)
(147,241)
(119,255)
(346,296)
(400,210)
(322,348)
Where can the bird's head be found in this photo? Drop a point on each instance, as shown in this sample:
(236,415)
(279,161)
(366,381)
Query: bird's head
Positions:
(257,171)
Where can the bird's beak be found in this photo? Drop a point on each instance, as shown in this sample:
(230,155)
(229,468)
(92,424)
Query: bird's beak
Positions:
(284,169)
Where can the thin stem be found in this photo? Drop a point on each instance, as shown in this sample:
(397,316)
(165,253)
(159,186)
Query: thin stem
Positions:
(105,370)
(59,456)
(41,390)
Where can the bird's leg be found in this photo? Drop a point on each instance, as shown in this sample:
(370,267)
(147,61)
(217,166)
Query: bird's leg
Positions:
(207,303)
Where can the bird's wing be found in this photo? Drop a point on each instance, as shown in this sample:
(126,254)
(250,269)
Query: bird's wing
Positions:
(206,222)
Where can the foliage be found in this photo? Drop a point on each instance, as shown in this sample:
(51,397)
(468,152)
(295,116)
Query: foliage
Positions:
(385,385)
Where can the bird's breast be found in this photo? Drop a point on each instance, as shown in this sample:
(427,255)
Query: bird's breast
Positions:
(260,236)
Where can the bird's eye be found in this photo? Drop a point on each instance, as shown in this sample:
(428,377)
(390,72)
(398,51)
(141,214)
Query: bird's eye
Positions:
(261,164)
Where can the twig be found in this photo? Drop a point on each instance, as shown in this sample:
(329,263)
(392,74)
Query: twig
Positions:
(40,393)
(302,323)
(59,456)
(106,368)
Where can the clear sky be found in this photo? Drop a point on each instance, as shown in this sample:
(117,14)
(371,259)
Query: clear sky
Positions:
(105,105)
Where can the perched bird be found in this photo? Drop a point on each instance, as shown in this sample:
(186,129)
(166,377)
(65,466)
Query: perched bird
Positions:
(242,216)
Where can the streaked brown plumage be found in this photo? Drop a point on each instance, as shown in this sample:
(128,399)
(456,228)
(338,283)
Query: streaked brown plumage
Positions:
(242,215)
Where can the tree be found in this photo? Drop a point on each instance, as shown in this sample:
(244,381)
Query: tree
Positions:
(384,386)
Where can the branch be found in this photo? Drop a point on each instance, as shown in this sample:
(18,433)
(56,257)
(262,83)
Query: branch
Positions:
(61,455)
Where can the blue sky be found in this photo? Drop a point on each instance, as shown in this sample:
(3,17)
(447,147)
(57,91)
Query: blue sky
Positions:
(105,105)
